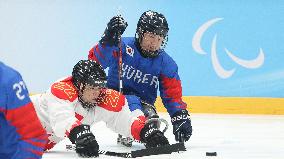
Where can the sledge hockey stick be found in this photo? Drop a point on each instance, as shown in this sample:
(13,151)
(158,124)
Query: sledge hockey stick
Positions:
(168,149)
(120,139)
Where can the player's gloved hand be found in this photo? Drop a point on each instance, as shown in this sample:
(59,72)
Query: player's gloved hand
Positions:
(115,28)
(181,125)
(86,144)
(152,137)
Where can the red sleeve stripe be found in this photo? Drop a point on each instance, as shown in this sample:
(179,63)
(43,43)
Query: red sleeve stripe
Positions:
(39,153)
(27,123)
(37,143)
(172,87)
(99,51)
(173,90)
(92,56)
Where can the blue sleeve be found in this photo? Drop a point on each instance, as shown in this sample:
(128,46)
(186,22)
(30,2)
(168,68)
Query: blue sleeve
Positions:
(170,86)
(103,54)
(18,94)
(21,116)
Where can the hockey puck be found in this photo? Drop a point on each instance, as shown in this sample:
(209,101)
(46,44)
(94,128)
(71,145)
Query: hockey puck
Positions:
(211,153)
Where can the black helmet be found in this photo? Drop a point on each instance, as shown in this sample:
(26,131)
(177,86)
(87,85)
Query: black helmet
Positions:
(155,23)
(88,72)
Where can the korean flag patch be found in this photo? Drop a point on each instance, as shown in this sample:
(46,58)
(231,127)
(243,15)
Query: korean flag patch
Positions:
(129,50)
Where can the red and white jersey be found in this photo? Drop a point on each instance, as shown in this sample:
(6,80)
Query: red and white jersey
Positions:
(59,111)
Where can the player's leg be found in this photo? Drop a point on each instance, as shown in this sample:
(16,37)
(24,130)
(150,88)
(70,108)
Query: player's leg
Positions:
(141,128)
(135,115)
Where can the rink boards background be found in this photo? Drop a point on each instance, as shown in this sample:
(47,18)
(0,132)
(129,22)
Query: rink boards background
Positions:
(231,105)
(230,53)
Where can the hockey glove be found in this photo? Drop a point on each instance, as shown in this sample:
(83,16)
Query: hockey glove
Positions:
(115,28)
(181,125)
(86,144)
(152,137)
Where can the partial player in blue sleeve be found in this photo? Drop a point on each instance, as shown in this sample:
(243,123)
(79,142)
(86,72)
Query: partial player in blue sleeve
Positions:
(145,67)
(21,133)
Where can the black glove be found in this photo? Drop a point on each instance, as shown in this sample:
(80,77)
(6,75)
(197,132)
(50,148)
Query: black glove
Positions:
(152,137)
(181,125)
(115,28)
(86,144)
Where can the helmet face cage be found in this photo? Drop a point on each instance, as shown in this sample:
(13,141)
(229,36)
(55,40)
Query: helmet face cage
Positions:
(156,24)
(87,72)
(89,105)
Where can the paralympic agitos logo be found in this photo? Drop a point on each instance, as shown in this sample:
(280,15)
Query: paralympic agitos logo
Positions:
(218,68)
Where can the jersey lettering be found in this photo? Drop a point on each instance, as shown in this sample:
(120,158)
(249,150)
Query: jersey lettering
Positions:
(19,87)
(138,76)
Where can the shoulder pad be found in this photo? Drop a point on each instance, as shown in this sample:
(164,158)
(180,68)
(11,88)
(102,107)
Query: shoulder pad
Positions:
(64,90)
(112,100)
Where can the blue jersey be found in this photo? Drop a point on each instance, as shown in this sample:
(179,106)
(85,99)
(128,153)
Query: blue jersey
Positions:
(142,76)
(21,134)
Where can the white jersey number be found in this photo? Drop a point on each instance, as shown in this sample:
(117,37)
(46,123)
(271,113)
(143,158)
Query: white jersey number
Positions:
(19,87)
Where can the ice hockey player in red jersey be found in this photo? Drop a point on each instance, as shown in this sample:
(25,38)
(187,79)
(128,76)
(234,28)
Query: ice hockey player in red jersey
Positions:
(73,104)
(21,134)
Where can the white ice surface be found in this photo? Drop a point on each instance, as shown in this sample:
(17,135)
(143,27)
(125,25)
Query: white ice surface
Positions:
(231,136)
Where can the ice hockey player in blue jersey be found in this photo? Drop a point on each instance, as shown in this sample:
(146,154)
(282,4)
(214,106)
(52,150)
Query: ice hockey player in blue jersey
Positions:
(145,67)
(21,134)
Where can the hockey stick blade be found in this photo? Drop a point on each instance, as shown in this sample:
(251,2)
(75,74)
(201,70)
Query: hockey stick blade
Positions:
(168,149)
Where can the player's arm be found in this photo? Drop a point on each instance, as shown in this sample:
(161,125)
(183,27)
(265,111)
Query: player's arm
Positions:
(171,94)
(107,48)
(22,115)
(65,124)
(170,88)
(121,113)
(62,116)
